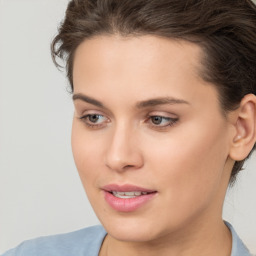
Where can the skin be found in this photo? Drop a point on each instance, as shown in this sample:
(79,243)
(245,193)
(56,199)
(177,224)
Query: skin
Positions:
(186,157)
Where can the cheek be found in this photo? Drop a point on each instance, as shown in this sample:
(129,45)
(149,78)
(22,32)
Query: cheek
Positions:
(189,173)
(86,152)
(191,163)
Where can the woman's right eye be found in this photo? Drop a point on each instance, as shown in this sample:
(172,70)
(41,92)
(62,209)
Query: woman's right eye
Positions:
(94,120)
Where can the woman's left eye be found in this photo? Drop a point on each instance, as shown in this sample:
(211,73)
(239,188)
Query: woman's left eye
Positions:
(162,121)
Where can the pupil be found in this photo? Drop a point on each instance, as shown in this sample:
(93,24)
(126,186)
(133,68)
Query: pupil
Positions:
(94,118)
(157,120)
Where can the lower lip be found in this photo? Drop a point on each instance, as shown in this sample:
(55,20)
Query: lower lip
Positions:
(127,204)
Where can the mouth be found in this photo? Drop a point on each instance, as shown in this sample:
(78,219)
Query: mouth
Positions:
(131,194)
(127,198)
(127,190)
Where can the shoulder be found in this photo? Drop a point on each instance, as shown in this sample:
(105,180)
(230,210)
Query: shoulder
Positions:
(86,241)
(238,247)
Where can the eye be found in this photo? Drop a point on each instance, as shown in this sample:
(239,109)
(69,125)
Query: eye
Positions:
(162,121)
(94,120)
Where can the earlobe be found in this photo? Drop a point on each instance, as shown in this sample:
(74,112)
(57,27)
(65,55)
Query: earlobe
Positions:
(245,129)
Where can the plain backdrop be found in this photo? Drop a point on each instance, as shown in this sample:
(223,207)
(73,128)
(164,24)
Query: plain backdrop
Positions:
(40,191)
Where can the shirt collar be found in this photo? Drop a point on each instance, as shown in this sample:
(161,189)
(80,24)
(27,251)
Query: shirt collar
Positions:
(238,247)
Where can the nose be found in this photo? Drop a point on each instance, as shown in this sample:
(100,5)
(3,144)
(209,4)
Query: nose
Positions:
(123,151)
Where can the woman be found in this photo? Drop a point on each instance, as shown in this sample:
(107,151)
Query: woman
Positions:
(165,114)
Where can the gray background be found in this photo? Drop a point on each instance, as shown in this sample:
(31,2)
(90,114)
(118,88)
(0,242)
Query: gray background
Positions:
(40,191)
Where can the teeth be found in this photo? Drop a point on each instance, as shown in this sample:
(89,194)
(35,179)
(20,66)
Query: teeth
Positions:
(131,194)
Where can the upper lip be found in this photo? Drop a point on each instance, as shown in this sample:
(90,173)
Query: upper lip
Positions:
(126,188)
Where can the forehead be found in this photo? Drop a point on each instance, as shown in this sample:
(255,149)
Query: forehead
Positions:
(122,70)
(141,54)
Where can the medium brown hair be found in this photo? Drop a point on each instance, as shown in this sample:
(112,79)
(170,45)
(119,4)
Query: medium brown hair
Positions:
(225,29)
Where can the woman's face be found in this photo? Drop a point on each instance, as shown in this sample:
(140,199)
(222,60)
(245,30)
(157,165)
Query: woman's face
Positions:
(145,123)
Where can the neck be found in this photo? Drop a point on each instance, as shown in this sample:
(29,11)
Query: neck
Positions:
(201,240)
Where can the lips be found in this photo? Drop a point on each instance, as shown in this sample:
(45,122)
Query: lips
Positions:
(131,194)
(127,198)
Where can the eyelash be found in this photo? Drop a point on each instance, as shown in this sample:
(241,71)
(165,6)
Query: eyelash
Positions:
(170,121)
(90,124)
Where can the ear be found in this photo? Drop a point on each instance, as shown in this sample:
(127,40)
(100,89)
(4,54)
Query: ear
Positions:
(245,129)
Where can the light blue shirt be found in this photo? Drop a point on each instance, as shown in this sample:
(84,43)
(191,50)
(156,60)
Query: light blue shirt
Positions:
(87,242)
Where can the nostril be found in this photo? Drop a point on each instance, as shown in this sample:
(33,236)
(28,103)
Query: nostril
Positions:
(128,166)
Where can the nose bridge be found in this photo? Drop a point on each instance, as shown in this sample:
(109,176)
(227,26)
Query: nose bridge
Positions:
(122,151)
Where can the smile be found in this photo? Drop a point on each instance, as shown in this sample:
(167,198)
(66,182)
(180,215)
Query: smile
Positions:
(127,198)
(131,194)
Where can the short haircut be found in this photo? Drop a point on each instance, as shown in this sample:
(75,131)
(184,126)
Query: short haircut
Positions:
(224,29)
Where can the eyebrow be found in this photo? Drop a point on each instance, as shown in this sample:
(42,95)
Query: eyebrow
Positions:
(139,105)
(87,99)
(160,101)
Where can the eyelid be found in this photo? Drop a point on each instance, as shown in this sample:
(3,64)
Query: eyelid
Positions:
(172,120)
(82,107)
(86,114)
(163,114)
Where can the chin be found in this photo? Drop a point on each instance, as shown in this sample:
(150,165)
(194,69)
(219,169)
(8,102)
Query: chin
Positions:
(133,229)
(140,234)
